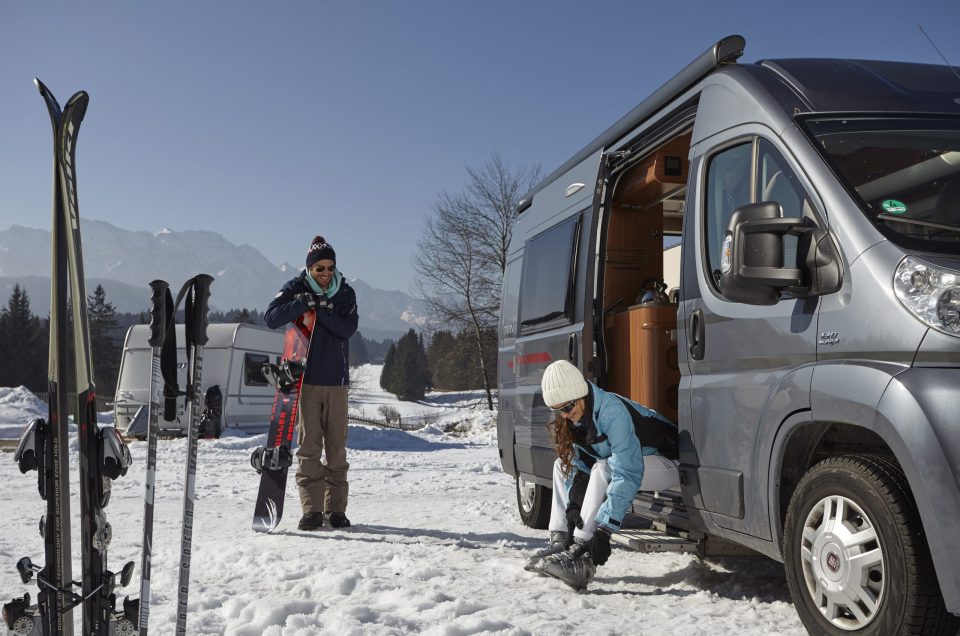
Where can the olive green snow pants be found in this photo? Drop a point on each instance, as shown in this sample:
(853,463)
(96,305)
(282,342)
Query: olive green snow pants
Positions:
(322,426)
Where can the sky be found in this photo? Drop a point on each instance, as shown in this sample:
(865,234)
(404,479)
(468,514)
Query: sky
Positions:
(270,122)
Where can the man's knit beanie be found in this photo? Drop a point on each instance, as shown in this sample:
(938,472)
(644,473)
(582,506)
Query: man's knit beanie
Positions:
(320,250)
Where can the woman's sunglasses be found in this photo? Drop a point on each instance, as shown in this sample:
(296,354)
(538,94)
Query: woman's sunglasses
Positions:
(566,408)
(323,268)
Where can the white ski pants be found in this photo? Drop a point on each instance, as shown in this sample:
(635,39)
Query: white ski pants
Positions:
(659,473)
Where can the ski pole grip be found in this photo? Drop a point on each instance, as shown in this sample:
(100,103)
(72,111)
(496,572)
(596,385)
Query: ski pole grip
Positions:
(201,306)
(158,312)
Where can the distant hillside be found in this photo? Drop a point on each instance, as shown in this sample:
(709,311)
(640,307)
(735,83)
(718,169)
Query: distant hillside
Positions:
(124,262)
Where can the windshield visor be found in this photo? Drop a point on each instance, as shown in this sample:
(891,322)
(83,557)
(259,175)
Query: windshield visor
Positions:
(903,171)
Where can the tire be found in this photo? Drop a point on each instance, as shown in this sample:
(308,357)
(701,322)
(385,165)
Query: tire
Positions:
(533,502)
(856,558)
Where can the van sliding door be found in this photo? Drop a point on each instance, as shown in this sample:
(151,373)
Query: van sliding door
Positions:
(556,313)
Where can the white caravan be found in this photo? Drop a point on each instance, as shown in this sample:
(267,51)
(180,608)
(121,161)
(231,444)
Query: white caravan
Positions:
(231,360)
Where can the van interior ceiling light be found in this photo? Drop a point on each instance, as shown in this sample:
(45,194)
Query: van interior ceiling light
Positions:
(931,293)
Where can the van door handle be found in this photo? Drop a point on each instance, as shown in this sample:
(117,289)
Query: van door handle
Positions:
(695,335)
(572,350)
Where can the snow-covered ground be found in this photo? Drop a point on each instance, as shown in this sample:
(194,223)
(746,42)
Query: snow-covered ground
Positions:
(437,546)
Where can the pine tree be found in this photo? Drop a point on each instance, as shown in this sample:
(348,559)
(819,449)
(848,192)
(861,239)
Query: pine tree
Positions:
(102,322)
(409,374)
(358,350)
(23,356)
(443,361)
(388,372)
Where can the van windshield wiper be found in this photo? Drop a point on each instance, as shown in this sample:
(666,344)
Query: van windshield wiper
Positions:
(908,220)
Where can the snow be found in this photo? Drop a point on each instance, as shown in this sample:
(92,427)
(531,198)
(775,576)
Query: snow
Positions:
(437,546)
(18,406)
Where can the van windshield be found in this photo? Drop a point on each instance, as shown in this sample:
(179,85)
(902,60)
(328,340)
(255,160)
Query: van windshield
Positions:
(905,172)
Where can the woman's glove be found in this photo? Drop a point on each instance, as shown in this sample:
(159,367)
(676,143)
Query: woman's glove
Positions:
(599,545)
(573,519)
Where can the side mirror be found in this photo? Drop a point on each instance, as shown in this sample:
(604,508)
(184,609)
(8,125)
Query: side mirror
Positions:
(751,262)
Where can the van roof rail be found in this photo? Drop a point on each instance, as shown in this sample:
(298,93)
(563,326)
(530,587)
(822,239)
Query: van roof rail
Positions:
(726,51)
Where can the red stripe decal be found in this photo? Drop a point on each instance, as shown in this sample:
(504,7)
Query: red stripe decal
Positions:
(530,358)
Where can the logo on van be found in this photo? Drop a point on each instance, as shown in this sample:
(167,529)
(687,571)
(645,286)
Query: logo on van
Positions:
(829,338)
(892,206)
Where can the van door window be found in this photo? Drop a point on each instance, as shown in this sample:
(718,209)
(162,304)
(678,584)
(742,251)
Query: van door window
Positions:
(252,375)
(728,187)
(776,181)
(546,296)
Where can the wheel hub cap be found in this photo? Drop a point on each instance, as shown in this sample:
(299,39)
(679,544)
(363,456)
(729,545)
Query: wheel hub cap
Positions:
(527,489)
(843,563)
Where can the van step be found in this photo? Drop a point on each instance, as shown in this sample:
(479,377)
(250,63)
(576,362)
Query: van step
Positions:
(646,540)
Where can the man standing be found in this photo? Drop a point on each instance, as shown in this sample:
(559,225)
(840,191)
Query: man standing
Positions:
(322,413)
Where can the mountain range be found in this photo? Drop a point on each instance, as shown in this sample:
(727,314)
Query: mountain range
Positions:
(125,261)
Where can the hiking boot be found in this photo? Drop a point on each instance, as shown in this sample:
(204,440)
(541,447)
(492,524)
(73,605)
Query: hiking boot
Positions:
(574,566)
(311,521)
(339,520)
(558,543)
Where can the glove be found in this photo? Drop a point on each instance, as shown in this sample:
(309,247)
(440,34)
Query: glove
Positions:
(315,301)
(573,519)
(599,545)
(308,298)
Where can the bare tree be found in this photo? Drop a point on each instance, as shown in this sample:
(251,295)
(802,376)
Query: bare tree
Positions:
(463,252)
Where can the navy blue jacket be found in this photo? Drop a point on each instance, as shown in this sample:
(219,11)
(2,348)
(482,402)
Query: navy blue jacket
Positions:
(328,361)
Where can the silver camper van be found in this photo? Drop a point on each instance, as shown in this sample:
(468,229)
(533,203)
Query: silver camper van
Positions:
(811,353)
(232,359)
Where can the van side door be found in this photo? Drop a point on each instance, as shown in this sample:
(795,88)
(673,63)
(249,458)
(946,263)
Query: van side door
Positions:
(750,366)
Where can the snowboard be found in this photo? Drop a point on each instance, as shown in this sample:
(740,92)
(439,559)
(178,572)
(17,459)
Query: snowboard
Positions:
(273,461)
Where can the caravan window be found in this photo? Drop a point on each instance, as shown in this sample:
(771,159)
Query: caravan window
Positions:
(252,375)
(550,260)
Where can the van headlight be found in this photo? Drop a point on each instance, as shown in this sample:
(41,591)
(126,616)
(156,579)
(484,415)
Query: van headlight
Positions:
(931,293)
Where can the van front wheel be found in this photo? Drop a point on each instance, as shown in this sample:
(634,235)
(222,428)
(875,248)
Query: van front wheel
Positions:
(856,558)
(533,502)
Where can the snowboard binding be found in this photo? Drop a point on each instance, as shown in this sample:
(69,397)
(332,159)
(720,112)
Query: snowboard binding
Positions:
(284,376)
(276,458)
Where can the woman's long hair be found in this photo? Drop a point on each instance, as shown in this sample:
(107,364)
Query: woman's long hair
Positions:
(562,436)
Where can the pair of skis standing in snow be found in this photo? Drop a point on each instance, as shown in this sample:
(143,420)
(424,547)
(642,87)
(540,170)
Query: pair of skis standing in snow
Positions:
(103,456)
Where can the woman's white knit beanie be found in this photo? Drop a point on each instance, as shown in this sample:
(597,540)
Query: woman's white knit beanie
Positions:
(562,382)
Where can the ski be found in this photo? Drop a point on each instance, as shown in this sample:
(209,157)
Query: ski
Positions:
(195,319)
(161,309)
(273,461)
(103,455)
(44,445)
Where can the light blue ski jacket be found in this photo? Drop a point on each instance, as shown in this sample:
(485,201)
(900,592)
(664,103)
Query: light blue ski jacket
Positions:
(610,435)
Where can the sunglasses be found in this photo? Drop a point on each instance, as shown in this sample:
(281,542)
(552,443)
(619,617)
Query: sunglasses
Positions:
(566,408)
(323,268)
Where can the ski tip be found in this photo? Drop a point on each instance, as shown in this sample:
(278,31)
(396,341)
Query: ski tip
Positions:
(41,86)
(80,97)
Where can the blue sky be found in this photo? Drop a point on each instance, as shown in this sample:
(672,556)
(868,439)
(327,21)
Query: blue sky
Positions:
(270,122)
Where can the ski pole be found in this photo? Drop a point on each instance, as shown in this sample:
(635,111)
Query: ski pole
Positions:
(160,304)
(196,337)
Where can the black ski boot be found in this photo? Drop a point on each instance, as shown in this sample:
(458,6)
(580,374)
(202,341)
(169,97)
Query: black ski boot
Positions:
(559,541)
(574,567)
